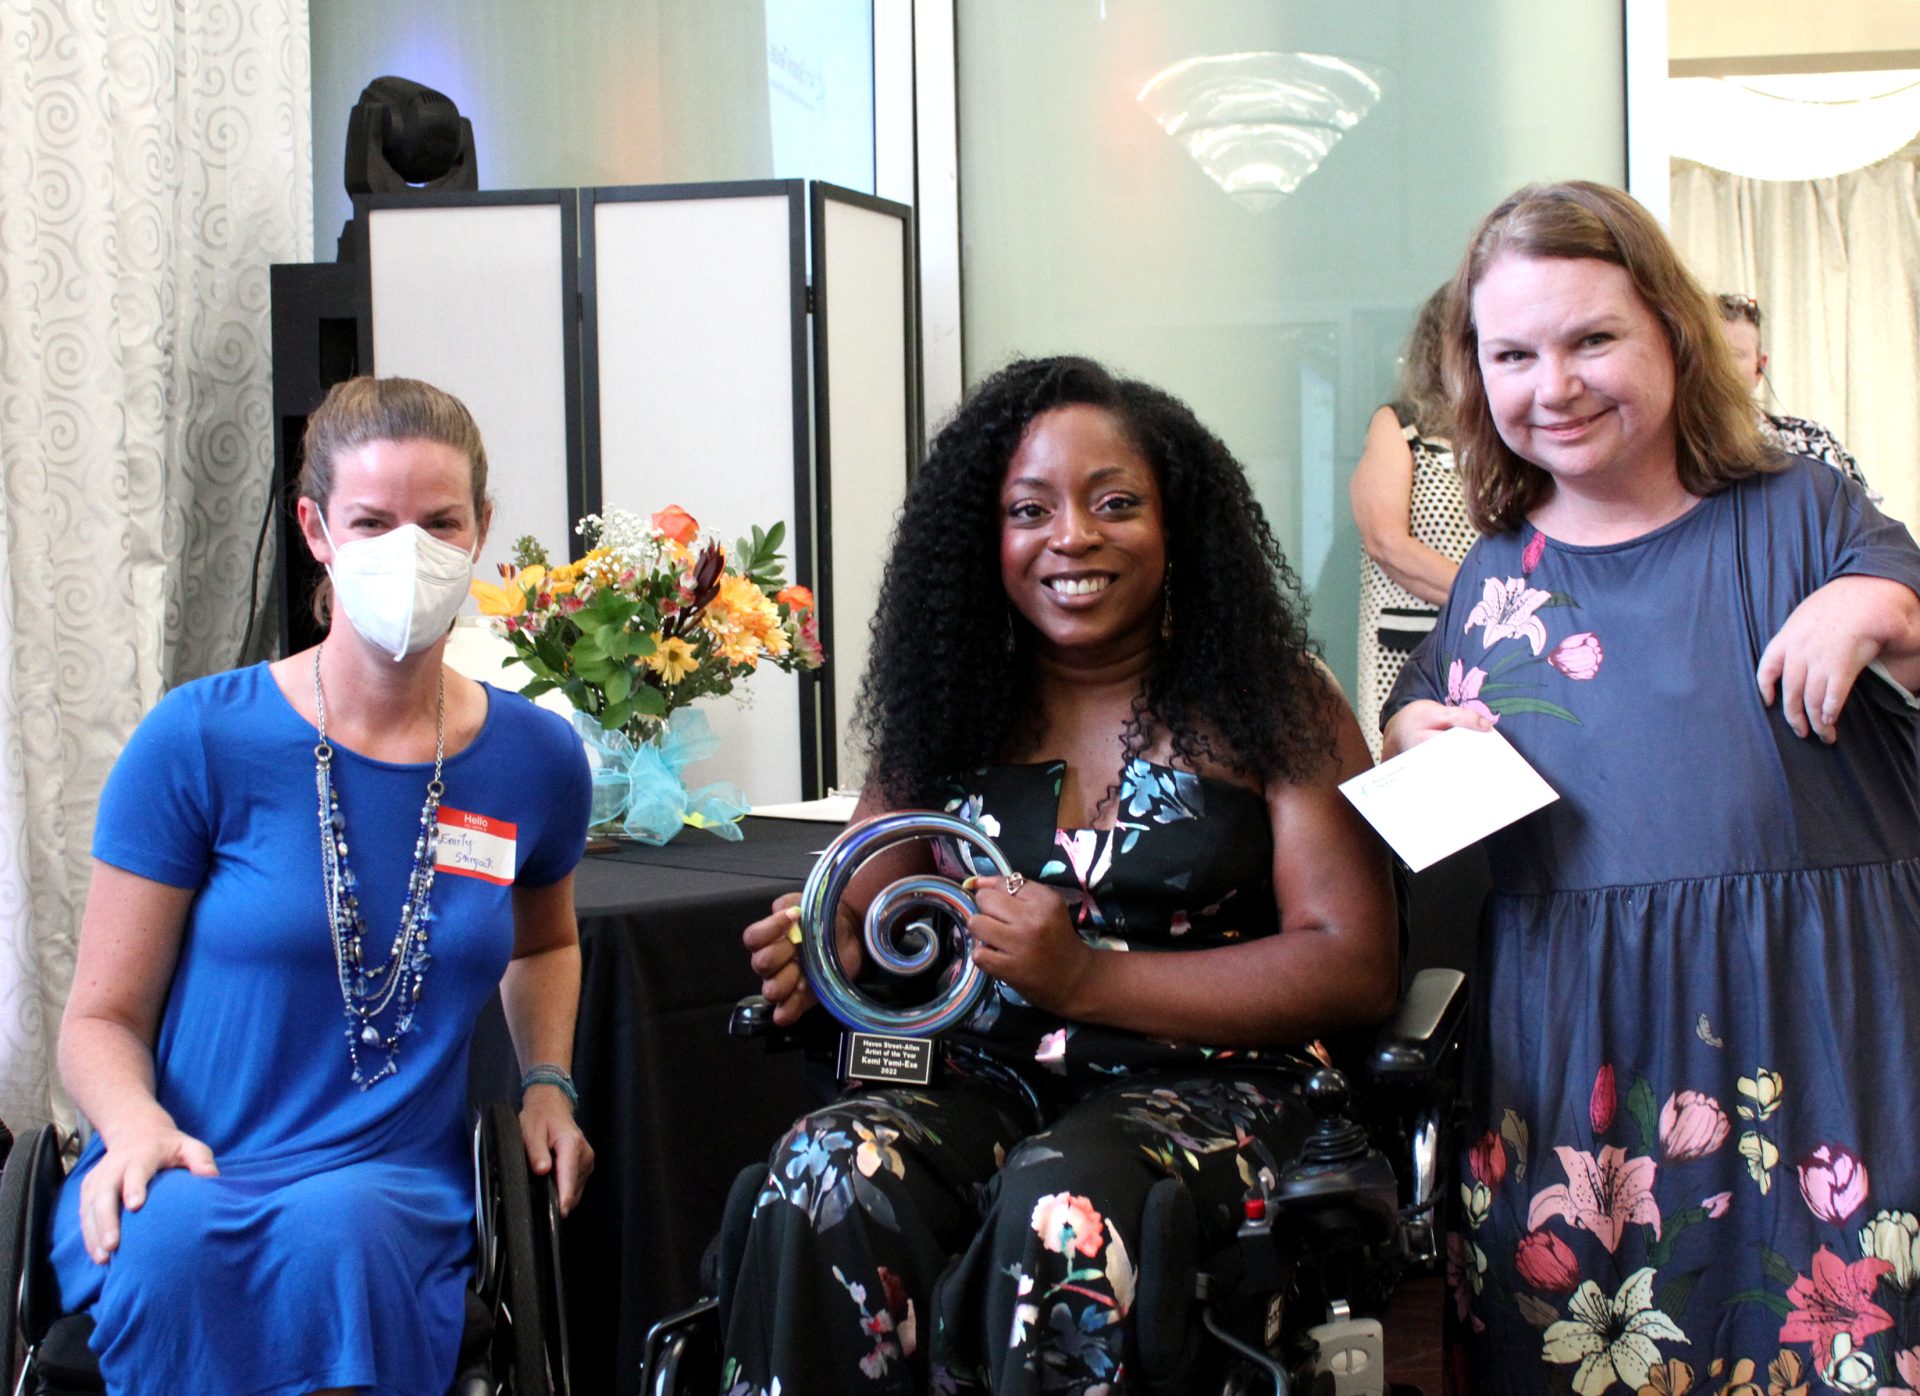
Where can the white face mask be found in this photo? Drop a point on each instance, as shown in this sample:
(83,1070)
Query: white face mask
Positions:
(401,589)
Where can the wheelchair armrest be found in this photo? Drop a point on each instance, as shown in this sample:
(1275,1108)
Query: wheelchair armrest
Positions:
(1408,1047)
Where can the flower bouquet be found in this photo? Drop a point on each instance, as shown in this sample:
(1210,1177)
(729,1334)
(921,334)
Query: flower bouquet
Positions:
(655,615)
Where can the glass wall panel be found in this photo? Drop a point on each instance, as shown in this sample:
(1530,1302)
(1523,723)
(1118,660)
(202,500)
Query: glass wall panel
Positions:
(633,92)
(1087,226)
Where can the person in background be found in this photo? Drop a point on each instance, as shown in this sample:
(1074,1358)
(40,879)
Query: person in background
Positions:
(309,875)
(1689,1164)
(1089,646)
(1411,515)
(1740,318)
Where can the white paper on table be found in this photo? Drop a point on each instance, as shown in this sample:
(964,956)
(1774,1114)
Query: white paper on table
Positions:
(1450,791)
(834,809)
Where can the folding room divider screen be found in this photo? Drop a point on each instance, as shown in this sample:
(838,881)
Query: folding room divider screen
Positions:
(643,346)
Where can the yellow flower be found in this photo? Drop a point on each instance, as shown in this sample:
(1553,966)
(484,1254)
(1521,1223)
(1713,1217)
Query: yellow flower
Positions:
(598,566)
(671,659)
(1761,1155)
(509,598)
(1763,1089)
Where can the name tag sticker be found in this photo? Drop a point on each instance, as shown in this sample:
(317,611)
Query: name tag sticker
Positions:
(475,845)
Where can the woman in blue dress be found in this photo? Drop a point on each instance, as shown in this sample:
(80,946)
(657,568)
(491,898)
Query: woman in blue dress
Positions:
(1088,645)
(1693,1163)
(308,878)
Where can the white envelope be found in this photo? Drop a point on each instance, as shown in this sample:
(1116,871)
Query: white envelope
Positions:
(1450,791)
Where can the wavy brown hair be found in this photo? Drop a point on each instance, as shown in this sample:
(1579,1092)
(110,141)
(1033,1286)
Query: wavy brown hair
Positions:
(1716,434)
(1423,384)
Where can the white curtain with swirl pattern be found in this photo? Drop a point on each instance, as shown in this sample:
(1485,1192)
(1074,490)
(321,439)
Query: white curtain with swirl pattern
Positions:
(155,158)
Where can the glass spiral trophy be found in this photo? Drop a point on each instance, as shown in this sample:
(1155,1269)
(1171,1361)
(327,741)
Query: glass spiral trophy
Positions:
(902,934)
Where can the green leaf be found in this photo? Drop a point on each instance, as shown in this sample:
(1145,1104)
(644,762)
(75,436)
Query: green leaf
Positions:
(1537,1312)
(616,715)
(1671,1298)
(1518,655)
(1532,705)
(533,688)
(1644,1113)
(648,701)
(619,685)
(1766,1297)
(1661,1251)
(594,671)
(1560,598)
(1776,1266)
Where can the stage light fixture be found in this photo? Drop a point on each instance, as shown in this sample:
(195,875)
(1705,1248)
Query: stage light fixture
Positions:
(403,136)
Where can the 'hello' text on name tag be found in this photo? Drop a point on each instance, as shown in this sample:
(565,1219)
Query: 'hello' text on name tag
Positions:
(474,845)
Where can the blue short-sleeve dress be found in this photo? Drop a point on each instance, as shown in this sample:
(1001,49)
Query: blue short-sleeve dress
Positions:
(333,1248)
(1694,1162)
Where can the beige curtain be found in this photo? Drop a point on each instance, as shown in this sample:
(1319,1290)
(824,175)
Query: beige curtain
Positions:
(155,158)
(1835,265)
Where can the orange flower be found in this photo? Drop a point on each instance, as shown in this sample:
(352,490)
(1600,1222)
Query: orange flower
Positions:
(676,523)
(739,648)
(509,598)
(1065,1223)
(795,597)
(739,603)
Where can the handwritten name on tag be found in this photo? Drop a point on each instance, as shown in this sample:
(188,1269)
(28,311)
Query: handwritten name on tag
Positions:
(476,845)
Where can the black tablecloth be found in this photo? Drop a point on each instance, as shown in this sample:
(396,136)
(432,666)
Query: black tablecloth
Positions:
(673,1107)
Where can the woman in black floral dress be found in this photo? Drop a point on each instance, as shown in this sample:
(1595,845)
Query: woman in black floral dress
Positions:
(1089,645)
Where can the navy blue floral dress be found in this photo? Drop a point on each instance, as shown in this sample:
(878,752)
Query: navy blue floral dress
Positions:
(1694,1163)
(930,1238)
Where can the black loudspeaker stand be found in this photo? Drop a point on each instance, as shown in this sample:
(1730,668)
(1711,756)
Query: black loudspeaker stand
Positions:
(322,334)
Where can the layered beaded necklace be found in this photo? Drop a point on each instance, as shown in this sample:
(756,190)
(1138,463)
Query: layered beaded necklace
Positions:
(390,990)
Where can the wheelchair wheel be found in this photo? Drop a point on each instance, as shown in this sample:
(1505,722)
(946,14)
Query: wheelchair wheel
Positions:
(524,1244)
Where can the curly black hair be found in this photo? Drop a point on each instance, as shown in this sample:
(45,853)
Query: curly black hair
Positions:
(1237,682)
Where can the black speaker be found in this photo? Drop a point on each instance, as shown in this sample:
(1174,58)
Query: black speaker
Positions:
(322,334)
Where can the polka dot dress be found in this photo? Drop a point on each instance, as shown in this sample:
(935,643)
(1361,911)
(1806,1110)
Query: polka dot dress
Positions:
(1392,619)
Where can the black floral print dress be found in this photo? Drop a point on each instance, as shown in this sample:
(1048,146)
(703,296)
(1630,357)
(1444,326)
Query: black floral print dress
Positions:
(939,1238)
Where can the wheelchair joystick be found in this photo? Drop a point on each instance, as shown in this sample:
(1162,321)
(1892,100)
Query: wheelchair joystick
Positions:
(1335,1138)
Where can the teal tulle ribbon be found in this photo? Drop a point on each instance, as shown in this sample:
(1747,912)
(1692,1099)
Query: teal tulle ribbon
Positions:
(641,788)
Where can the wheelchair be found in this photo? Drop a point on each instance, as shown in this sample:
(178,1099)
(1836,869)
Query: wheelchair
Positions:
(513,1342)
(1292,1302)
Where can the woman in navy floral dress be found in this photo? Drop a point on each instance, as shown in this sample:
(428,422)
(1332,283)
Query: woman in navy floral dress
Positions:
(1088,644)
(1694,1165)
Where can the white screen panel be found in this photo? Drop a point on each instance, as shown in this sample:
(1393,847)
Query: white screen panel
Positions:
(867,405)
(695,351)
(470,300)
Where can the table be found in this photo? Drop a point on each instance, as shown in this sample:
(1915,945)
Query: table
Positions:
(673,1107)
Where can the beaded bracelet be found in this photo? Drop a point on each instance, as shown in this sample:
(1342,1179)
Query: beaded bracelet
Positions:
(551,1074)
